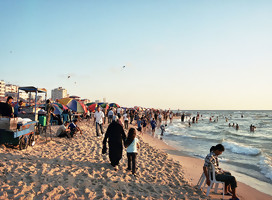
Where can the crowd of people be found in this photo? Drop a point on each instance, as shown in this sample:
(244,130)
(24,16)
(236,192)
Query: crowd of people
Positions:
(118,123)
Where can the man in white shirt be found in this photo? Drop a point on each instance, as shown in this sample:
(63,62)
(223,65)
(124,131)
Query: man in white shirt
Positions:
(126,120)
(98,120)
(119,112)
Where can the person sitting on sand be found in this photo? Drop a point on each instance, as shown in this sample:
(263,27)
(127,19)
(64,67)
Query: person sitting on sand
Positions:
(115,134)
(132,144)
(63,131)
(74,128)
(220,175)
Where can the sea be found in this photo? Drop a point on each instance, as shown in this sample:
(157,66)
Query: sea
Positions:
(248,155)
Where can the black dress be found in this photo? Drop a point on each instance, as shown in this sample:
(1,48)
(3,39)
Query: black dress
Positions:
(115,133)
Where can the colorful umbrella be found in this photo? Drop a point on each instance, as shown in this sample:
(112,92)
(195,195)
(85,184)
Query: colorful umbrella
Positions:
(88,104)
(65,101)
(75,106)
(92,107)
(83,106)
(114,105)
(57,110)
(103,105)
(63,107)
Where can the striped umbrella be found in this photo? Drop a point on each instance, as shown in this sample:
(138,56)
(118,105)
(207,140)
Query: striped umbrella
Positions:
(65,101)
(88,104)
(57,110)
(92,107)
(63,107)
(114,105)
(76,106)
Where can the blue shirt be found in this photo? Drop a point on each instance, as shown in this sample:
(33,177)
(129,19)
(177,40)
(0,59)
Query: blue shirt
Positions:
(153,124)
(72,127)
(139,122)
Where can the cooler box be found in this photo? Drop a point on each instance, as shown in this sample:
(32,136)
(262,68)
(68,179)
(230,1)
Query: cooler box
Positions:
(42,120)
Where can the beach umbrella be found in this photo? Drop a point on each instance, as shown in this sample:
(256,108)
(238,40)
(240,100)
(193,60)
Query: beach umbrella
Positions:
(65,101)
(83,106)
(92,107)
(114,105)
(63,107)
(103,105)
(88,104)
(76,106)
(57,109)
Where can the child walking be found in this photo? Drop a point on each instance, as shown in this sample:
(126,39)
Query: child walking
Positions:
(132,144)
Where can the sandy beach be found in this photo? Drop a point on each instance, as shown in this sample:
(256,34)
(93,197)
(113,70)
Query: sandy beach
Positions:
(75,169)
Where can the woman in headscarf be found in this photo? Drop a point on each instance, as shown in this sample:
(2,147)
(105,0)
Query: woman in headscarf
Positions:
(116,137)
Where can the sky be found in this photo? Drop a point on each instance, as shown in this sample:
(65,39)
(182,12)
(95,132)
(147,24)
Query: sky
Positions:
(188,55)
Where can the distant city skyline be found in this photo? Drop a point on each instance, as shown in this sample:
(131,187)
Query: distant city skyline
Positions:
(188,55)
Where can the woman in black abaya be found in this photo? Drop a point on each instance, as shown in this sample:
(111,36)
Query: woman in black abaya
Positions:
(116,137)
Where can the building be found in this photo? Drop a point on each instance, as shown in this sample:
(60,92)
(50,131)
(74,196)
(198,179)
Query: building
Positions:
(11,88)
(2,88)
(58,93)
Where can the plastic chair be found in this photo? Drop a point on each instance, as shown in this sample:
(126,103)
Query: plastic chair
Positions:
(214,181)
(201,181)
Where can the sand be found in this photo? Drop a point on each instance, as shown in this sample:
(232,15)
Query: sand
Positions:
(75,169)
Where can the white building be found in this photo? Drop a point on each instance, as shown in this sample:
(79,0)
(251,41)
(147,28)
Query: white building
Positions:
(58,93)
(11,88)
(2,88)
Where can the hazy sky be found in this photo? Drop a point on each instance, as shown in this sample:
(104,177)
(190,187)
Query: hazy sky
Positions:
(178,54)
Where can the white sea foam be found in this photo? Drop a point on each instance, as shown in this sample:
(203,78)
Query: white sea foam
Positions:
(241,149)
(265,165)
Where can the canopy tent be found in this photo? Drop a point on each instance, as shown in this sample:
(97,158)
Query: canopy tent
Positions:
(32,89)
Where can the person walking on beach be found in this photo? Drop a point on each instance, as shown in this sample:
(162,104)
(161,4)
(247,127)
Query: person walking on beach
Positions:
(125,116)
(115,136)
(110,116)
(139,123)
(98,120)
(220,175)
(153,126)
(132,145)
(171,117)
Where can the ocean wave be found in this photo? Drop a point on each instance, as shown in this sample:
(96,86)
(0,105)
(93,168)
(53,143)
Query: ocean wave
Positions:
(265,165)
(241,149)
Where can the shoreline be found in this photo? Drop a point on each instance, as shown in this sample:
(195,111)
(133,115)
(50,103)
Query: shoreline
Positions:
(188,163)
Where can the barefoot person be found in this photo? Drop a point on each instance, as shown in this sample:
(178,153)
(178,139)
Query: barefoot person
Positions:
(220,175)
